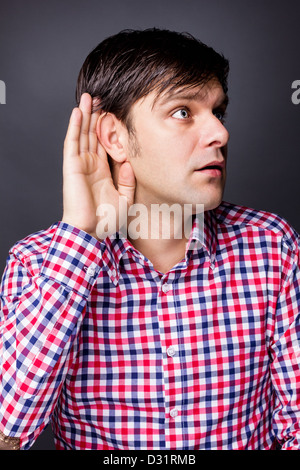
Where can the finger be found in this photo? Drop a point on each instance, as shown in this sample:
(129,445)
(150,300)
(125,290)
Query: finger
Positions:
(126,182)
(93,139)
(85,106)
(71,143)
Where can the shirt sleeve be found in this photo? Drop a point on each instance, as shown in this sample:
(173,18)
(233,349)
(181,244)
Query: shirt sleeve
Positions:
(43,300)
(285,352)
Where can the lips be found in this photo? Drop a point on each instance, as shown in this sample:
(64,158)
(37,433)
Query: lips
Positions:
(215,165)
(213,169)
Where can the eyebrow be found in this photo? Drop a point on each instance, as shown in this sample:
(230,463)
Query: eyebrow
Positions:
(190,96)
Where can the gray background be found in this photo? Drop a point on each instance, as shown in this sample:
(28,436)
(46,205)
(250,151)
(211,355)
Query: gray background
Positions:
(42,47)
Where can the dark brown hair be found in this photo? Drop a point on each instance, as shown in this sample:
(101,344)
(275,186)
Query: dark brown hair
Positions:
(127,66)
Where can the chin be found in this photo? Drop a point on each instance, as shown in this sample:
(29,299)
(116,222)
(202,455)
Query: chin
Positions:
(213,205)
(209,203)
(213,200)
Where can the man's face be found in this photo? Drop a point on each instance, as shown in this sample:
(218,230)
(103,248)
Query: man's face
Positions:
(178,150)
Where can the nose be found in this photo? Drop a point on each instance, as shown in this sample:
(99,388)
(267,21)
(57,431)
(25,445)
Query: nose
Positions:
(214,133)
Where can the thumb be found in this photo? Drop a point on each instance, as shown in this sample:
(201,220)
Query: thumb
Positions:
(126,182)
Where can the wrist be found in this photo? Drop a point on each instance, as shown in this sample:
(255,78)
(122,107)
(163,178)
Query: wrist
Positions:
(9,443)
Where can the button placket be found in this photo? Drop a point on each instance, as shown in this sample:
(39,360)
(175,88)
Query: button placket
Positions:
(168,314)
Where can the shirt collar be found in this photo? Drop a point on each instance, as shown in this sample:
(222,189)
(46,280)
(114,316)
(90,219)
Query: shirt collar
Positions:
(204,233)
(203,236)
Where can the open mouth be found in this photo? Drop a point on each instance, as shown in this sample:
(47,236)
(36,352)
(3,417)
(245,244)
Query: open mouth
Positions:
(213,169)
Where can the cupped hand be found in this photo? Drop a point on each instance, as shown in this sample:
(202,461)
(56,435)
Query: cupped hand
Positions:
(87,180)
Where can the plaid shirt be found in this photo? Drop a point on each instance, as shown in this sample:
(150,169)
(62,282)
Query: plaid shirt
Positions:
(120,356)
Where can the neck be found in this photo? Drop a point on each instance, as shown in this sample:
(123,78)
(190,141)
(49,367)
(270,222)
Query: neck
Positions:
(160,232)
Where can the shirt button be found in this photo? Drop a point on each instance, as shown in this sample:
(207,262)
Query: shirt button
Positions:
(91,271)
(166,288)
(171,351)
(212,262)
(174,413)
(113,273)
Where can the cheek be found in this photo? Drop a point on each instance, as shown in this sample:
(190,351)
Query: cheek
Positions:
(162,153)
(168,150)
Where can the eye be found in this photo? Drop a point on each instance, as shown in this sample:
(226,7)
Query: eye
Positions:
(220,115)
(181,114)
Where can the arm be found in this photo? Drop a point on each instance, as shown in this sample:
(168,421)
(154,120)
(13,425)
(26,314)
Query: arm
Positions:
(285,351)
(43,299)
(47,282)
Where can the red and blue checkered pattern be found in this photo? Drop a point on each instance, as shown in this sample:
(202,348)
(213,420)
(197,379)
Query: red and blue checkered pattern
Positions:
(120,356)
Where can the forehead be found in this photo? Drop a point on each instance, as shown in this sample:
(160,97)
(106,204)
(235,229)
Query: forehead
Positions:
(212,92)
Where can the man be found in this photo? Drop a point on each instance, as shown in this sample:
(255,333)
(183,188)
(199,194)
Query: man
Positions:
(130,339)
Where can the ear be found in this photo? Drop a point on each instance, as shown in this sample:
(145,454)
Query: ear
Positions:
(112,134)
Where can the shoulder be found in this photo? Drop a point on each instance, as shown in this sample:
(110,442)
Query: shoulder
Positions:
(233,216)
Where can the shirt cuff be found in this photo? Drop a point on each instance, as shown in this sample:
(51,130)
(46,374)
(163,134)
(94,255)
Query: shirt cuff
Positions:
(74,259)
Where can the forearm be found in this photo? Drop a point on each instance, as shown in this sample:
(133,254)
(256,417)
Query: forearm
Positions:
(285,353)
(41,315)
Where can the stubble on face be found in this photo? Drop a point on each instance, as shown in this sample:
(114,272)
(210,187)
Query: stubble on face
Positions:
(164,169)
